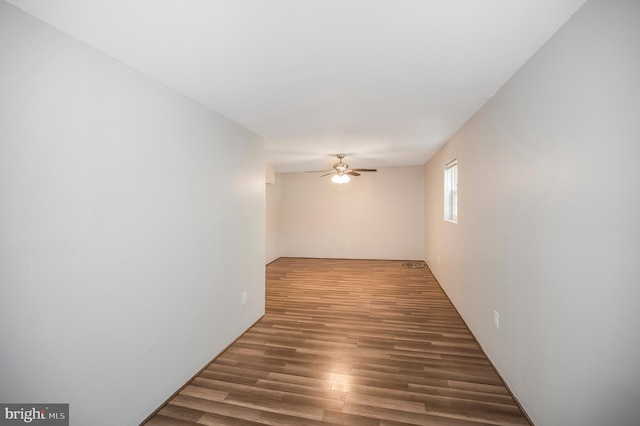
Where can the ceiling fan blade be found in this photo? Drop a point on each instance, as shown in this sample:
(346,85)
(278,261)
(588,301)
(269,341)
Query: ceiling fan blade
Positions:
(318,171)
(327,174)
(352,173)
(364,170)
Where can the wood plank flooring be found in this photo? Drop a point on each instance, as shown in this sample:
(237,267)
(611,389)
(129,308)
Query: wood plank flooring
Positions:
(348,342)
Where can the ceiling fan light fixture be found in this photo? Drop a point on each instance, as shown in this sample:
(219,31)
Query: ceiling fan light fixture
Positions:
(340,178)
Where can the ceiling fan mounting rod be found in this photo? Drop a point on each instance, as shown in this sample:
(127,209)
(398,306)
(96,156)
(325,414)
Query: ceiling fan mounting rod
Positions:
(340,167)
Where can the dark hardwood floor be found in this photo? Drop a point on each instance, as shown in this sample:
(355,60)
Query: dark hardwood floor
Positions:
(348,342)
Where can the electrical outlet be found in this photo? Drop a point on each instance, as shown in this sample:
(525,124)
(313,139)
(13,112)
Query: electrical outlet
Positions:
(496,319)
(244,298)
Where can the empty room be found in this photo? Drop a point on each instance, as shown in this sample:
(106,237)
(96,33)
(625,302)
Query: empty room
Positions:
(320,212)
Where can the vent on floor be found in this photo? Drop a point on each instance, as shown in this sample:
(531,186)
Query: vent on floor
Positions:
(414,265)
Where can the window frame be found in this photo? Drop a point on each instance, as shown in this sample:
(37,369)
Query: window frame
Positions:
(451,191)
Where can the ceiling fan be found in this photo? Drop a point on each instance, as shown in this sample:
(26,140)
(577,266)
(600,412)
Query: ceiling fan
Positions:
(341,171)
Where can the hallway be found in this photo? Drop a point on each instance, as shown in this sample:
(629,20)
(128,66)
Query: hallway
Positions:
(348,342)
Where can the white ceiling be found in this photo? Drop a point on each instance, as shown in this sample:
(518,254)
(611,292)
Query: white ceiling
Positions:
(387,81)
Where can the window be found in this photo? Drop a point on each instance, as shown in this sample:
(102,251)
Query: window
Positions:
(451,191)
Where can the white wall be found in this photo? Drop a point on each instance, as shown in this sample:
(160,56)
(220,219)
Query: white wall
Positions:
(549,228)
(131,220)
(375,216)
(273,202)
